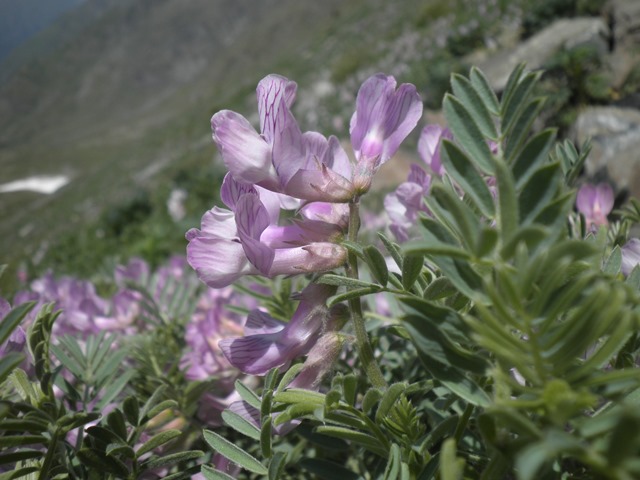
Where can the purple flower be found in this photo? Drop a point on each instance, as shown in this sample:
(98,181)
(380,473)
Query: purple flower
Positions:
(595,202)
(429,146)
(630,256)
(384,117)
(246,240)
(210,323)
(320,361)
(269,343)
(404,205)
(281,158)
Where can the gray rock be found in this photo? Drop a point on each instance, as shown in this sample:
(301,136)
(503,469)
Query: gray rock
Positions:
(537,50)
(626,21)
(615,136)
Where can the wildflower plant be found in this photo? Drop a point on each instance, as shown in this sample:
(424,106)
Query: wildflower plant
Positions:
(490,332)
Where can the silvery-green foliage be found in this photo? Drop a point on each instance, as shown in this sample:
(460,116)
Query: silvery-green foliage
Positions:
(518,338)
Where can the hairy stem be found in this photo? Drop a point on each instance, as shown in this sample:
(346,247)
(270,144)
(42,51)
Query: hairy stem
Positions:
(365,352)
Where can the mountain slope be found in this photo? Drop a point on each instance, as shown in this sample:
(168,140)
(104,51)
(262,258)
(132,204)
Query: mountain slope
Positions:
(116,99)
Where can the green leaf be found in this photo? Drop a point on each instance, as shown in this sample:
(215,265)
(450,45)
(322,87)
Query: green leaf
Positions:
(115,387)
(392,470)
(211,473)
(289,376)
(357,293)
(464,90)
(354,248)
(18,473)
(481,85)
(461,169)
(67,361)
(392,248)
(20,456)
(389,398)
(120,449)
(350,388)
(444,429)
(531,458)
(512,82)
(521,129)
(464,221)
(266,436)
(418,248)
(241,424)
(276,465)
(614,262)
(411,269)
(23,425)
(370,399)
(184,474)
(517,101)
(299,410)
(466,131)
(534,154)
(486,243)
(507,200)
(8,363)
(161,407)
(342,281)
(76,419)
(429,339)
(96,461)
(456,381)
(326,470)
(538,192)
(364,440)
(131,410)
(556,210)
(156,441)
(105,435)
(451,467)
(248,395)
(13,319)
(10,441)
(234,453)
(22,384)
(155,462)
(115,420)
(377,264)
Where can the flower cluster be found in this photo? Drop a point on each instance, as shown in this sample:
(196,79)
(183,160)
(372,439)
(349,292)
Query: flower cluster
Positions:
(85,313)
(283,168)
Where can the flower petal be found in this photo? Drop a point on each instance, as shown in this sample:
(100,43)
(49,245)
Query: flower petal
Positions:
(252,219)
(245,153)
(275,94)
(218,262)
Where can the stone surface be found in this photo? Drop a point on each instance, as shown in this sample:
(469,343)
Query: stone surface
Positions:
(626,21)
(615,136)
(537,50)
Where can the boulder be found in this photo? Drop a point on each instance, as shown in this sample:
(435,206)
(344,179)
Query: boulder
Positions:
(537,50)
(615,136)
(626,22)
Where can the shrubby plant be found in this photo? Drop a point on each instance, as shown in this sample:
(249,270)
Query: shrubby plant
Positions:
(490,332)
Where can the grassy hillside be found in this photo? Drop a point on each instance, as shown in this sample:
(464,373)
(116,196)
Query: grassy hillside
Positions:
(119,93)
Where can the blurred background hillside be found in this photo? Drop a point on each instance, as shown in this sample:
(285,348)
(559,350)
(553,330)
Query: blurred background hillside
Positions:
(115,97)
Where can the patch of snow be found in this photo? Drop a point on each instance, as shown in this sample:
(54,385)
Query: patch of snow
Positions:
(41,184)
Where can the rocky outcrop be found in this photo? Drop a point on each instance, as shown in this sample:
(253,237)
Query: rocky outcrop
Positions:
(625,18)
(615,136)
(537,50)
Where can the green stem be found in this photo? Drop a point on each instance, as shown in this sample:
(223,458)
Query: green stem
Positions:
(365,352)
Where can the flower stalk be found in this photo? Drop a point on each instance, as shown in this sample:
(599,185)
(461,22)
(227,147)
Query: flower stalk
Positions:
(365,351)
